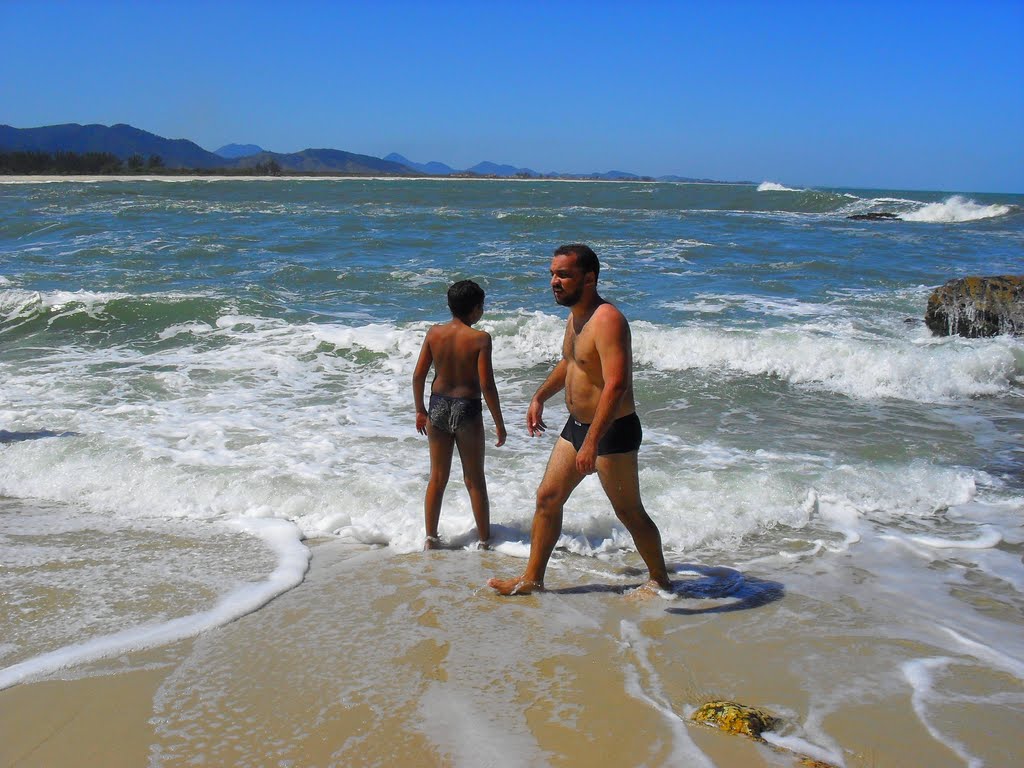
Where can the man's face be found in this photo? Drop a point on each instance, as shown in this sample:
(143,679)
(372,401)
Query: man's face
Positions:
(566,280)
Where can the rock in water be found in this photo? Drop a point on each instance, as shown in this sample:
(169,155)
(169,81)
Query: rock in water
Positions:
(735,718)
(877,216)
(748,721)
(977,306)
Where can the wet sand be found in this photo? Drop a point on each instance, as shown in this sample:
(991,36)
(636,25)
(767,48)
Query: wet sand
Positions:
(387,659)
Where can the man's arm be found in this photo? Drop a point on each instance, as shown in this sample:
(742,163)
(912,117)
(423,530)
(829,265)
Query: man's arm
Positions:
(485,370)
(613,347)
(553,384)
(419,381)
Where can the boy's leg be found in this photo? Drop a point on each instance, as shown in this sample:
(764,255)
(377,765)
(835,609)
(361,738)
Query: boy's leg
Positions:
(621,482)
(441,447)
(560,479)
(470,440)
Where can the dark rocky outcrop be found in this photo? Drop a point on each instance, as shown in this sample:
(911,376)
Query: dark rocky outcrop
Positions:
(878,216)
(977,306)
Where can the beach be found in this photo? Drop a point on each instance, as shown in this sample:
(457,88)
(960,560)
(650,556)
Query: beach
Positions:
(211,486)
(448,674)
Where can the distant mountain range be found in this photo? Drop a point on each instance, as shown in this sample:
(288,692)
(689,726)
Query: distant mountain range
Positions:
(233,151)
(124,141)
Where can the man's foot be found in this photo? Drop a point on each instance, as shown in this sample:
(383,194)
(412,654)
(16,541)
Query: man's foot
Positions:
(520,585)
(432,542)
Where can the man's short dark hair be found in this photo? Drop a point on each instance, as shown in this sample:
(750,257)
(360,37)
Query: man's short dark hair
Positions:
(586,259)
(464,297)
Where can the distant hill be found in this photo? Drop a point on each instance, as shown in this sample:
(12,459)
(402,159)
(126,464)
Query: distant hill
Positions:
(488,168)
(434,168)
(233,151)
(327,161)
(120,140)
(124,141)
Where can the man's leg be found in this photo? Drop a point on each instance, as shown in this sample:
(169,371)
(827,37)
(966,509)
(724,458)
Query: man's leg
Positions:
(441,447)
(560,478)
(470,440)
(621,482)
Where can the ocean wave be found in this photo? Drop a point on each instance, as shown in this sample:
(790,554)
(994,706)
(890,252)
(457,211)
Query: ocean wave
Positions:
(709,303)
(772,186)
(955,210)
(23,311)
(857,367)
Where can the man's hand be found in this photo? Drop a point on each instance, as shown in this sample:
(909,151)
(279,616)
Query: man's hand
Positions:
(421,423)
(586,458)
(500,432)
(534,418)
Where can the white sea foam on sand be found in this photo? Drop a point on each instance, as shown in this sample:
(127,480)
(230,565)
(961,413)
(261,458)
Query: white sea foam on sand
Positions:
(293,559)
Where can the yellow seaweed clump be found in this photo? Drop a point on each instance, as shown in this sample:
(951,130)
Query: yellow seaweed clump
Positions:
(735,718)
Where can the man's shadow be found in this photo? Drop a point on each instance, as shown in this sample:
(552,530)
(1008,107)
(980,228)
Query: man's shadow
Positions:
(715,582)
(701,582)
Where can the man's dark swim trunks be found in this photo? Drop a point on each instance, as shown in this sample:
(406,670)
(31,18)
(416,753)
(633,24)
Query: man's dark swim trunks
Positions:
(450,414)
(623,436)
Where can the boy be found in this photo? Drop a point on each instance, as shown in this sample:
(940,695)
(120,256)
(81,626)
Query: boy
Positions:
(461,356)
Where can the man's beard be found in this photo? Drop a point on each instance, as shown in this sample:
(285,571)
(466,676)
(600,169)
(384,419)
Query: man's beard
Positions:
(566,299)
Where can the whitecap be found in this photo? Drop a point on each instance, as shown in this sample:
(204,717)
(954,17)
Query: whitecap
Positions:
(954,210)
(772,186)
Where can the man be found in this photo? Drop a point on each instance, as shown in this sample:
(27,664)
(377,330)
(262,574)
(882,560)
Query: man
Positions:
(603,432)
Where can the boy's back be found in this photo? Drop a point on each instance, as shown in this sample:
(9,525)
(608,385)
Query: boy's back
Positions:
(455,348)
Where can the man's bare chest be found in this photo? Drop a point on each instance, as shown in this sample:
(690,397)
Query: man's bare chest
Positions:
(581,351)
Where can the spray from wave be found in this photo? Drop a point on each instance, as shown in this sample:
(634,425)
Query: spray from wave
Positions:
(772,186)
(956,209)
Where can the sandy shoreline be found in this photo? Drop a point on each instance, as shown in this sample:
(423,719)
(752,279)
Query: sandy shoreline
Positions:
(387,659)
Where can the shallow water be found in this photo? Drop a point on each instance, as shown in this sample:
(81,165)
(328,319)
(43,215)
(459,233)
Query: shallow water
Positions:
(179,357)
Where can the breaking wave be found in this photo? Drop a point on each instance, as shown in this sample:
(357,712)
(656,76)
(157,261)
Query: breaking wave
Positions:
(956,209)
(772,186)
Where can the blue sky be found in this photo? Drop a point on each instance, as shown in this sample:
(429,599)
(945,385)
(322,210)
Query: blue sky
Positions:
(907,95)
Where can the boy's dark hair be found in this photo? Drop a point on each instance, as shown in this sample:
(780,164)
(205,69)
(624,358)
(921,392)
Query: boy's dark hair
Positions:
(586,259)
(464,297)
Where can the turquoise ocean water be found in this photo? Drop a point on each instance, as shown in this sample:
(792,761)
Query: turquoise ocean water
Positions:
(199,375)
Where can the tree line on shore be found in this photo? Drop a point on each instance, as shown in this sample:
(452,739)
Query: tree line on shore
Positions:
(33,163)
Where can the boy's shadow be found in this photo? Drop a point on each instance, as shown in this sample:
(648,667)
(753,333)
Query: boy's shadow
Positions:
(18,437)
(710,582)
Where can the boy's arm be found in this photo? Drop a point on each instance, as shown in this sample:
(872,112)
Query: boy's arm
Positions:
(489,389)
(419,381)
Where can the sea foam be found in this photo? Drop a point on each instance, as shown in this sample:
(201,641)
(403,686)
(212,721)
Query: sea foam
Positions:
(293,560)
(857,367)
(954,210)
(772,186)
